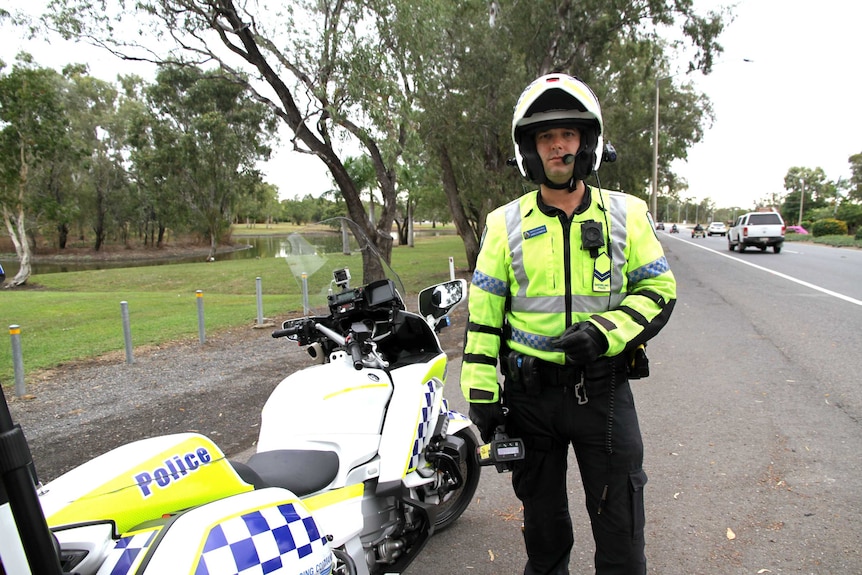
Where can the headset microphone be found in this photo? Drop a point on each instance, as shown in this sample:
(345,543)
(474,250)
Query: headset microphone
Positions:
(569,159)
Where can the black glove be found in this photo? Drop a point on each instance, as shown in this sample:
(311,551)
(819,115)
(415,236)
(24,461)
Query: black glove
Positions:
(487,416)
(582,343)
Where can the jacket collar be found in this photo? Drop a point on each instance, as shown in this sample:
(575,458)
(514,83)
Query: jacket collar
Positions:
(552,211)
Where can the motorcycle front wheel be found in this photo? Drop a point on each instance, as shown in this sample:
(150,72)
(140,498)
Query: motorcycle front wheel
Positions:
(457,501)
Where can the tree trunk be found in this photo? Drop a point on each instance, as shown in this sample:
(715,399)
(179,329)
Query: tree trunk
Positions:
(15,225)
(459,217)
(213,246)
(62,235)
(410,238)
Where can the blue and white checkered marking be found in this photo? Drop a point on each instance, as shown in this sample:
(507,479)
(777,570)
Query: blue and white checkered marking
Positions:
(426,425)
(264,541)
(453,415)
(127,552)
(651,270)
(535,341)
(489,284)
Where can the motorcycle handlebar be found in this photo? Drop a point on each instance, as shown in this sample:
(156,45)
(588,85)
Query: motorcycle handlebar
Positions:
(355,349)
(351,342)
(288,331)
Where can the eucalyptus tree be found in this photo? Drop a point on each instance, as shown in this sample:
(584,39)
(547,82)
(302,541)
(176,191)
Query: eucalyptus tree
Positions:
(329,69)
(100,182)
(474,58)
(807,189)
(34,128)
(855,185)
(205,137)
(385,76)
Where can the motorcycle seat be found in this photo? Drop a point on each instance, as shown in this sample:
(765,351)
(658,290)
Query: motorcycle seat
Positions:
(299,470)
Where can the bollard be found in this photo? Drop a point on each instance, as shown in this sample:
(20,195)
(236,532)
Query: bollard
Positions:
(127,331)
(304,293)
(451,268)
(201,331)
(259,301)
(17,360)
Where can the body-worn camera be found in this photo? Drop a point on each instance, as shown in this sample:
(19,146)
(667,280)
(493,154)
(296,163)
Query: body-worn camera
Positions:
(592,236)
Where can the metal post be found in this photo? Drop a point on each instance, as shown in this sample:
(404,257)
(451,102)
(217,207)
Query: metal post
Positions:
(451,268)
(304,293)
(17,360)
(201,331)
(127,331)
(801,201)
(259,291)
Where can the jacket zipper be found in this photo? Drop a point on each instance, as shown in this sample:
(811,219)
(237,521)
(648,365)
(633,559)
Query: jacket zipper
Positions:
(567,265)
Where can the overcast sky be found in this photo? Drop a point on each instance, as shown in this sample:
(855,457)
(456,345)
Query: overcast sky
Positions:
(795,104)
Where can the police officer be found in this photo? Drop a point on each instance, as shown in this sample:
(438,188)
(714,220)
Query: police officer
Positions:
(570,282)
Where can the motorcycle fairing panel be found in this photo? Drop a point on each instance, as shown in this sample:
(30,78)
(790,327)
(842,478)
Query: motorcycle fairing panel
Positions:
(141,480)
(268,530)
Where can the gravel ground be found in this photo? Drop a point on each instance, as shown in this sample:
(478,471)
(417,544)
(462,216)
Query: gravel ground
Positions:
(76,412)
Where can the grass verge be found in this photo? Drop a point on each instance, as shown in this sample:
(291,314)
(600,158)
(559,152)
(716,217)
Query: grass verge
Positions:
(76,315)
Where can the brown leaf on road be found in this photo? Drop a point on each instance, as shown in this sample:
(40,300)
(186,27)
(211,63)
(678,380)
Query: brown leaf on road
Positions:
(730,534)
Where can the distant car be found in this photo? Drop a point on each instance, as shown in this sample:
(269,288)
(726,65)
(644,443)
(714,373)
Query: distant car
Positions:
(757,229)
(797,230)
(659,226)
(697,231)
(717,228)
(674,229)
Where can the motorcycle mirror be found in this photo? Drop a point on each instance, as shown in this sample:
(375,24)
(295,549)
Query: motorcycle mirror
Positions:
(438,300)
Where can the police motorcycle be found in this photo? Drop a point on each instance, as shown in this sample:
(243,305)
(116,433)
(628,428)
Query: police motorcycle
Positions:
(359,458)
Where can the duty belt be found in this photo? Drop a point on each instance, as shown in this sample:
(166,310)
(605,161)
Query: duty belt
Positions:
(532,374)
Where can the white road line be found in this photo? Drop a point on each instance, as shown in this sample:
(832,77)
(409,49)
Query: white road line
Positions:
(775,273)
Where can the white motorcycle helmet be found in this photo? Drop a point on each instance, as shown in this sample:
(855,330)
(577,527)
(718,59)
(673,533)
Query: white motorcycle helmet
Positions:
(557,100)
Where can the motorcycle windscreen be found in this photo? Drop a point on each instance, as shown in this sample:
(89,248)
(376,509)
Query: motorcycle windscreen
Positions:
(141,481)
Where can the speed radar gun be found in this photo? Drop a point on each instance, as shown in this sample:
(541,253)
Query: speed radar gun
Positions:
(501,452)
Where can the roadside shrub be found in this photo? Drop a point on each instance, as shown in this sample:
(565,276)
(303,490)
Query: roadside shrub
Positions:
(829,227)
(858,235)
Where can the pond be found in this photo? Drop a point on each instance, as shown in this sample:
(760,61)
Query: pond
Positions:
(258,247)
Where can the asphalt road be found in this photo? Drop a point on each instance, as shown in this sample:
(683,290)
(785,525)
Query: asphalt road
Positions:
(752,422)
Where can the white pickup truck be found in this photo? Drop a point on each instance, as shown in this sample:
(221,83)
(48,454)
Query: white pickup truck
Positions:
(757,229)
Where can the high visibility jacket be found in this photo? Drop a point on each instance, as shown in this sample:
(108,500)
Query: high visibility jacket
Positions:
(534,275)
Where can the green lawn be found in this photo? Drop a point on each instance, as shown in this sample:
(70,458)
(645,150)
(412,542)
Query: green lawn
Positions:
(76,315)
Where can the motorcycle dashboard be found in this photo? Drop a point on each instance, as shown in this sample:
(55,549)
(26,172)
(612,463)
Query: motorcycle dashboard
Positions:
(344,302)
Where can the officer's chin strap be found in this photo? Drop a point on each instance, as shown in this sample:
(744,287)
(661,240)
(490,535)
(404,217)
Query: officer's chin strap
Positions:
(569,186)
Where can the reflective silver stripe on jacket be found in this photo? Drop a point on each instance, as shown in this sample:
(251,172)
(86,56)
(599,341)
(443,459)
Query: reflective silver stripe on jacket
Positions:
(516,246)
(619,239)
(557,304)
(582,303)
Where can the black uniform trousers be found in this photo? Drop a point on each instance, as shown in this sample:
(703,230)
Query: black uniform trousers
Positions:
(599,420)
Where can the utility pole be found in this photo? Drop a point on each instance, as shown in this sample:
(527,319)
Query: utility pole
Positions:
(801,201)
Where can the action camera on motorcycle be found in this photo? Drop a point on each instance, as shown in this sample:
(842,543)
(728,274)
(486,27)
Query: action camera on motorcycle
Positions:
(341,277)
